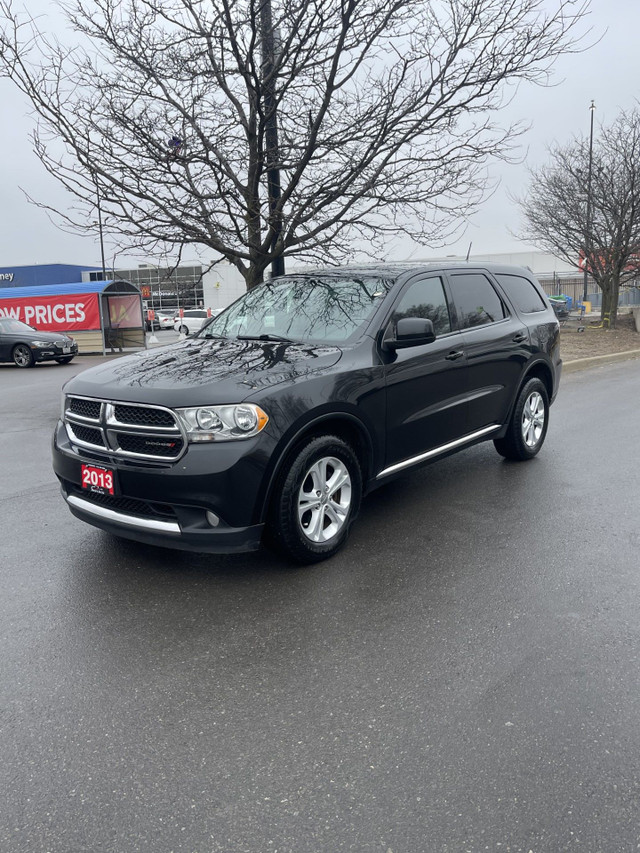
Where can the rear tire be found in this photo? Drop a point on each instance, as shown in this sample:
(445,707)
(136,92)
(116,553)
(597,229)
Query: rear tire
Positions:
(22,356)
(183,330)
(316,500)
(528,425)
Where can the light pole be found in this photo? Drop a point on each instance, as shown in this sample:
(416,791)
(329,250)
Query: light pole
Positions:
(99,206)
(587,242)
(267,37)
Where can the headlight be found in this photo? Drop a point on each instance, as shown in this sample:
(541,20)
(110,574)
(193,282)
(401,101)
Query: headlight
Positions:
(222,423)
(41,344)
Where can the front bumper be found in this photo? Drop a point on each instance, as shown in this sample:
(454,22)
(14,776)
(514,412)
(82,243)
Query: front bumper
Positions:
(167,505)
(53,352)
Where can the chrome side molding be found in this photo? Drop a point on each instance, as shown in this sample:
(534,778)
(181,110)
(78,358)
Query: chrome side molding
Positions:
(437,451)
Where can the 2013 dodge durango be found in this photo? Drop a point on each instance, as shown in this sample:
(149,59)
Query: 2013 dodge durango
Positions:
(280,414)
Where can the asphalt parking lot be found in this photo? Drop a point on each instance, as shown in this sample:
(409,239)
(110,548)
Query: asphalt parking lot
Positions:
(463,676)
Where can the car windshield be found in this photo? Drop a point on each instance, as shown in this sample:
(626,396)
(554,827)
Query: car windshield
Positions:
(318,309)
(10,324)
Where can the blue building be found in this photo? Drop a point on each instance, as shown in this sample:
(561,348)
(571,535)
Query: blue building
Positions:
(42,274)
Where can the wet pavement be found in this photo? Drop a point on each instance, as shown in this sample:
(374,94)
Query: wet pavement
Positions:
(464,675)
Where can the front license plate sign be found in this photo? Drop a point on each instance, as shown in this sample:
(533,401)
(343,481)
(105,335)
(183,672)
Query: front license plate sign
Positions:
(66,349)
(95,478)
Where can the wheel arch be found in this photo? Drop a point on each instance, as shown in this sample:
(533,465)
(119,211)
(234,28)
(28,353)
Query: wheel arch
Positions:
(341,424)
(539,370)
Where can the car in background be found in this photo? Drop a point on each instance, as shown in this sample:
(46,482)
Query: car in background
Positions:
(25,346)
(560,305)
(161,320)
(193,320)
(166,319)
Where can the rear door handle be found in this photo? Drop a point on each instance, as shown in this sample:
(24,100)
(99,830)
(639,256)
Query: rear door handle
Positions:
(521,336)
(454,354)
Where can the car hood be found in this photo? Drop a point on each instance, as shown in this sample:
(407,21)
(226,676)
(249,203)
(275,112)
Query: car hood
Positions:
(226,370)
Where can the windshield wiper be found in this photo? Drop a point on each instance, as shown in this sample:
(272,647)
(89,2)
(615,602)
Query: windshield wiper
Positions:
(265,337)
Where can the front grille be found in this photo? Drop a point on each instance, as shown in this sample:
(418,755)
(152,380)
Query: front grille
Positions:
(150,445)
(85,408)
(131,432)
(143,416)
(131,506)
(88,434)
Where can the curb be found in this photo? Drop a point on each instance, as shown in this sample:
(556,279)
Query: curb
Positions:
(596,360)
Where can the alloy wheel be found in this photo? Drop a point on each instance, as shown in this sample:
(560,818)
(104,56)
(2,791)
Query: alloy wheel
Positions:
(324,499)
(22,355)
(533,419)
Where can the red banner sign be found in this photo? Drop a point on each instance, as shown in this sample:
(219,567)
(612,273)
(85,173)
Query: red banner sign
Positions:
(64,313)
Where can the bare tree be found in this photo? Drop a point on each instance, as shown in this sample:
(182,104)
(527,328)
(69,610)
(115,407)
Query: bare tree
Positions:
(376,117)
(607,239)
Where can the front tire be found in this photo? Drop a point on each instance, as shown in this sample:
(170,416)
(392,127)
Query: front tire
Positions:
(528,425)
(183,330)
(22,356)
(316,501)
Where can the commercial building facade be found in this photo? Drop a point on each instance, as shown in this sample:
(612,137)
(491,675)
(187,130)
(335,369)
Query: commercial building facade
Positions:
(187,285)
(184,286)
(43,275)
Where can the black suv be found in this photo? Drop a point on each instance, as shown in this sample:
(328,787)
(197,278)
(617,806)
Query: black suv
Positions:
(277,417)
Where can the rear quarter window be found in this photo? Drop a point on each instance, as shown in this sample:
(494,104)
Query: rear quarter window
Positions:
(522,293)
(476,300)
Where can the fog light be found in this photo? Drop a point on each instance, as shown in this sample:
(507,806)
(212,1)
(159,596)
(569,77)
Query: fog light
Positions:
(212,518)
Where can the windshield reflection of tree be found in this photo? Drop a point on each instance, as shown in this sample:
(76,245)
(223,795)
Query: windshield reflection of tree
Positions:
(311,309)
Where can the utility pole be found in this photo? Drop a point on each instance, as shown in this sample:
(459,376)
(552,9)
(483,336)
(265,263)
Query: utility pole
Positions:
(104,272)
(587,242)
(271,130)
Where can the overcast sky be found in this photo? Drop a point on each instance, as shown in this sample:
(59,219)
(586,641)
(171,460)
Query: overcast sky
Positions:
(608,73)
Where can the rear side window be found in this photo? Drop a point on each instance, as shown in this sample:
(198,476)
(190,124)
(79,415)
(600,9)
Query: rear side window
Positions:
(425,299)
(477,303)
(522,293)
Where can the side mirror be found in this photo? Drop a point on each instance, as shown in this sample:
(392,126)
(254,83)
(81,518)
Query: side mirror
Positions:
(411,332)
(35,328)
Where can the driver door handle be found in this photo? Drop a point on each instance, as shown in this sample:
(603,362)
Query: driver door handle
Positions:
(454,354)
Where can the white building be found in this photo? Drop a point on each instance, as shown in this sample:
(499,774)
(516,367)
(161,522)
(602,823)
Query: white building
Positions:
(540,263)
(222,285)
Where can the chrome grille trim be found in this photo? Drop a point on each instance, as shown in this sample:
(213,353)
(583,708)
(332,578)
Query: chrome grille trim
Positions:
(77,416)
(140,429)
(109,427)
(81,443)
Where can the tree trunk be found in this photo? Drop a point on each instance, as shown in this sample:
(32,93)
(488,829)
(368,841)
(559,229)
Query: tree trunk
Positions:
(609,311)
(253,276)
